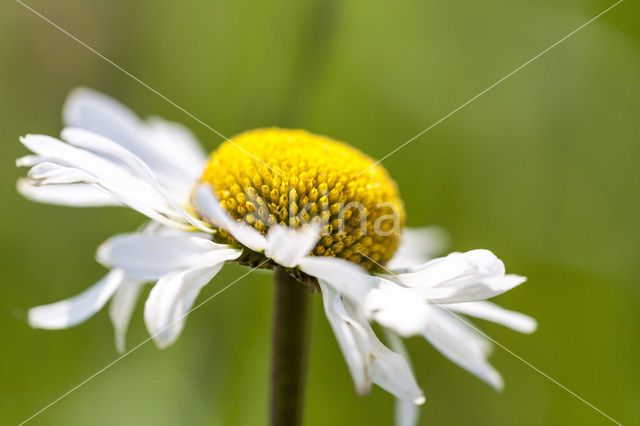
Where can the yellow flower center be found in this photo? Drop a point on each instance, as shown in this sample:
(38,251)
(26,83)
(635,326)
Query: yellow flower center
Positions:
(291,177)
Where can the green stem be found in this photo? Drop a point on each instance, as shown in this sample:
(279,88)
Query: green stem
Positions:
(291,336)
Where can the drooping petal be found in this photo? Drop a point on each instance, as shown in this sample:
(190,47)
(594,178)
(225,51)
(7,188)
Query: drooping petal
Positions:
(347,278)
(53,174)
(207,205)
(474,275)
(182,159)
(111,150)
(172,152)
(368,359)
(121,308)
(345,331)
(287,245)
(72,195)
(147,257)
(111,169)
(492,312)
(398,309)
(406,413)
(77,309)
(462,344)
(417,246)
(173,296)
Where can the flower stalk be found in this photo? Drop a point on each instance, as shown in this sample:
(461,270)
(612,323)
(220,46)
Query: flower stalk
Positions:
(291,336)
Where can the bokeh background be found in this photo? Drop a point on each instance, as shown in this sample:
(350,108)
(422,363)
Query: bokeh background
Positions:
(543,170)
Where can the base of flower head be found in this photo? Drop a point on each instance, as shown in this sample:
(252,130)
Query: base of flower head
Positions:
(257,260)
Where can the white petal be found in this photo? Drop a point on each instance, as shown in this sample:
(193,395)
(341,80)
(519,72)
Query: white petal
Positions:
(147,257)
(368,359)
(492,312)
(417,246)
(288,245)
(121,308)
(406,413)
(398,309)
(171,299)
(347,278)
(207,205)
(461,344)
(109,149)
(474,275)
(54,174)
(345,331)
(75,310)
(101,114)
(181,160)
(111,168)
(169,149)
(73,195)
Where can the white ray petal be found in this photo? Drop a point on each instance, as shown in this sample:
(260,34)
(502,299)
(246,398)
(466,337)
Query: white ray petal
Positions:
(207,205)
(461,344)
(474,275)
(121,308)
(73,195)
(492,312)
(287,245)
(368,359)
(171,299)
(109,149)
(101,114)
(349,279)
(417,246)
(172,152)
(147,257)
(54,174)
(406,413)
(398,309)
(75,310)
(345,331)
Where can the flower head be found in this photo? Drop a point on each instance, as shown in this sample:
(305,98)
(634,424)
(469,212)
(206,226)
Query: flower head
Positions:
(272,198)
(293,177)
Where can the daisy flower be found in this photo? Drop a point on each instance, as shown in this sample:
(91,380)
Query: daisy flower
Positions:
(321,214)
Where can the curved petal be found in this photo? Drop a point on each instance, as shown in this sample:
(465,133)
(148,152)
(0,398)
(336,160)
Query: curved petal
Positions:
(417,246)
(461,344)
(368,359)
(287,245)
(147,257)
(171,151)
(121,308)
(347,278)
(53,174)
(492,312)
(345,331)
(171,299)
(474,275)
(207,205)
(72,195)
(406,413)
(114,171)
(75,310)
(109,149)
(398,309)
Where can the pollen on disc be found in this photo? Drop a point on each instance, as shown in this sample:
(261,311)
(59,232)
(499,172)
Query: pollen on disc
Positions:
(292,177)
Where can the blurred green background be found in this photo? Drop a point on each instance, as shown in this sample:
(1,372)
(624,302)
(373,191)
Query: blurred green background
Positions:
(543,170)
